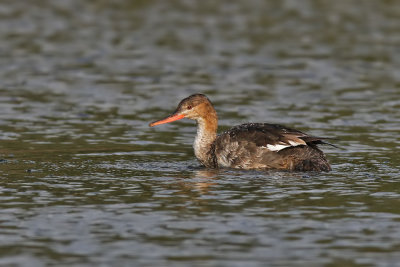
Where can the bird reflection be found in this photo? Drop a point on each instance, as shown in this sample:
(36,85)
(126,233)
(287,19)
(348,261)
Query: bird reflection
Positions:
(205,179)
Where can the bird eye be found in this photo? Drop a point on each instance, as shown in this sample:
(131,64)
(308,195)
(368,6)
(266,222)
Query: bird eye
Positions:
(189,107)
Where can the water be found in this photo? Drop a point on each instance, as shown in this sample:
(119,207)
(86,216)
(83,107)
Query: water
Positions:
(85,181)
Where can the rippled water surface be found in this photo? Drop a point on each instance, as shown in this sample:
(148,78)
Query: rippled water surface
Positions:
(85,181)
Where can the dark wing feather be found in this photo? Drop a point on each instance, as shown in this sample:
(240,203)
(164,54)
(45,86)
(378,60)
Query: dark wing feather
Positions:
(263,134)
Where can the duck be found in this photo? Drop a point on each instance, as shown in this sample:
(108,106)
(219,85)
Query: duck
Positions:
(249,146)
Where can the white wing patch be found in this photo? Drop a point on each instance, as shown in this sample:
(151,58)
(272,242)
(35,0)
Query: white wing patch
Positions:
(294,143)
(276,147)
(281,146)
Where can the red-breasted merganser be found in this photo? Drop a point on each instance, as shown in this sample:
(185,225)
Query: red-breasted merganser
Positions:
(259,146)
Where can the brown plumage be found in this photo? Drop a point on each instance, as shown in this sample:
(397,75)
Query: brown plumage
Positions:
(248,146)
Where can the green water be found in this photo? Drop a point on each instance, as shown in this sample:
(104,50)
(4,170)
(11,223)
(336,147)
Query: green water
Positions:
(85,181)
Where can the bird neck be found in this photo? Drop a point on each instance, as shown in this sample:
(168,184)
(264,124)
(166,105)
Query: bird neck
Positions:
(206,134)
